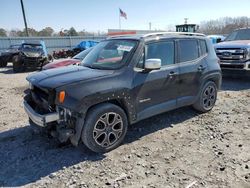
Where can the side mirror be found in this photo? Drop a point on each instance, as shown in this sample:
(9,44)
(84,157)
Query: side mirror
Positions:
(218,40)
(152,64)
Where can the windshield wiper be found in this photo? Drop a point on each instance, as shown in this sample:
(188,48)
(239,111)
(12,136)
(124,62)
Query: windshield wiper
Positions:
(89,66)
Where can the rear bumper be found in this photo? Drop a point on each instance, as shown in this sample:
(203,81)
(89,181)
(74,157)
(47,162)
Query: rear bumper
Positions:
(41,120)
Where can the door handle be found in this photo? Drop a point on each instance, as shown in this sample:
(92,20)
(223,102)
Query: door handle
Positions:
(172,73)
(201,68)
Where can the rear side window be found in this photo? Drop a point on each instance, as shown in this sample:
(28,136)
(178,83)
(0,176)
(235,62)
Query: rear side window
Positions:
(203,47)
(161,50)
(188,50)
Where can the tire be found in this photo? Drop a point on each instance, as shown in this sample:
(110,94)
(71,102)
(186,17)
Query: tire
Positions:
(50,57)
(207,97)
(3,63)
(17,64)
(100,132)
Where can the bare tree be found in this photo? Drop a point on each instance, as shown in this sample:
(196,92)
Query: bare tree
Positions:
(223,25)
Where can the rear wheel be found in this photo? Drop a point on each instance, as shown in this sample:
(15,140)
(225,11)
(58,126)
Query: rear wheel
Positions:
(207,97)
(105,128)
(17,64)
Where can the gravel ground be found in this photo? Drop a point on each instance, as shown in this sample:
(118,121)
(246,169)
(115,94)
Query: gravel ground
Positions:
(176,149)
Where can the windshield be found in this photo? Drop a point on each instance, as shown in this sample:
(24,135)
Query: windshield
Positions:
(82,54)
(243,34)
(14,47)
(111,54)
(32,46)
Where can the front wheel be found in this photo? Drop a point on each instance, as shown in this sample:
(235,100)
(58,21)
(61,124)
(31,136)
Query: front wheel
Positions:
(207,97)
(17,64)
(3,63)
(105,128)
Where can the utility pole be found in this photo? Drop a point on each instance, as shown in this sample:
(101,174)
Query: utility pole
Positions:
(150,25)
(185,20)
(24,18)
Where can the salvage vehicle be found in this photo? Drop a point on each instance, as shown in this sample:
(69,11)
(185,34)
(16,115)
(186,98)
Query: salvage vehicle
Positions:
(234,53)
(7,55)
(31,55)
(216,38)
(84,45)
(121,81)
(76,60)
(60,54)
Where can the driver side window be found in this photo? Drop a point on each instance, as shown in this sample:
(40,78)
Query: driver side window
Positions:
(159,50)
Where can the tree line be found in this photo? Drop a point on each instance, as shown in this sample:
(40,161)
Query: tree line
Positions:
(223,25)
(46,32)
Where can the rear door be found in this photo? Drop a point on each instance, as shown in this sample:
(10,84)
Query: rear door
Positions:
(192,64)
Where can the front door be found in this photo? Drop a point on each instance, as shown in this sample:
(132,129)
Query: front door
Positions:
(156,90)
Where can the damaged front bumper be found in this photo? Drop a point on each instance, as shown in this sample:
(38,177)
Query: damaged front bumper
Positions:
(59,122)
(41,120)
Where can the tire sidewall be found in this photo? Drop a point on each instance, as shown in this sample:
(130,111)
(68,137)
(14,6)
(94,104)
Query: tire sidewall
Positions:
(207,84)
(91,119)
(3,63)
(17,64)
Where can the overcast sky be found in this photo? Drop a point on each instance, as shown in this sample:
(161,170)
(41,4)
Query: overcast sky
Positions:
(100,15)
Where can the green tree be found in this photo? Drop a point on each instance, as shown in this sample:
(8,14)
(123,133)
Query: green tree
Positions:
(72,32)
(3,32)
(46,32)
(13,33)
(32,32)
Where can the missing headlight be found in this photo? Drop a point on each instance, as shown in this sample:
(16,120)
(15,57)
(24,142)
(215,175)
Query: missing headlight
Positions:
(31,87)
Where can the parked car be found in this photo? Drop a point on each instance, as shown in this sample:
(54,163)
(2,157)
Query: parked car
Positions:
(60,54)
(81,47)
(31,55)
(234,53)
(74,51)
(7,55)
(76,60)
(216,38)
(124,80)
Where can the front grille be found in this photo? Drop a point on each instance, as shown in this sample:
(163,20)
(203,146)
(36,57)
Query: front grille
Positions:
(231,54)
(43,99)
(32,61)
(41,93)
(232,66)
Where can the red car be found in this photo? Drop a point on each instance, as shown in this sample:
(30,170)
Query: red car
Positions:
(66,62)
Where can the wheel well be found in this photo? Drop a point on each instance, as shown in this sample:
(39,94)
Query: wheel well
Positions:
(216,81)
(116,102)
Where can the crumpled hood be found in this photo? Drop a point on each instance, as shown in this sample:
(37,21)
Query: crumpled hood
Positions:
(54,78)
(33,52)
(234,44)
(60,63)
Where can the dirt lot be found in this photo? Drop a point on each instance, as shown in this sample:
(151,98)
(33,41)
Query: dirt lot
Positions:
(177,149)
